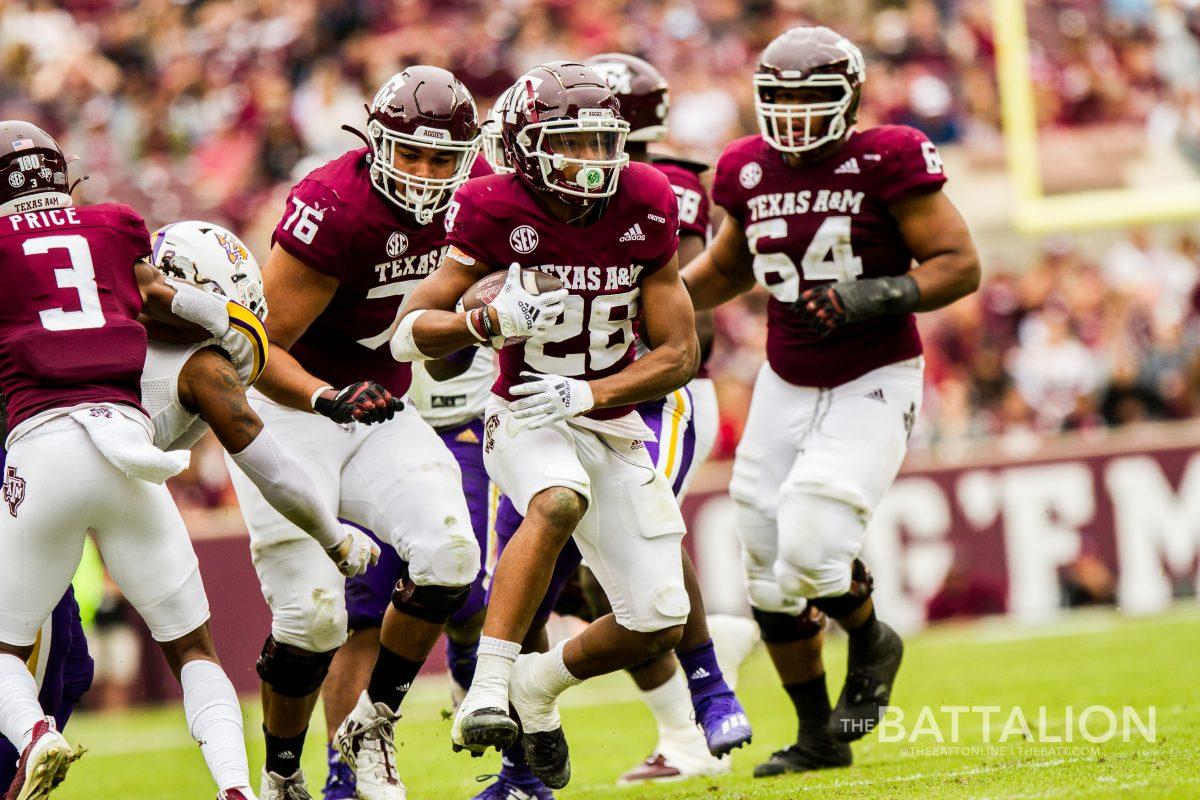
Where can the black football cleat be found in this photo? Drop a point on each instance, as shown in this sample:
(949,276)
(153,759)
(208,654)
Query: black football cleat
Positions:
(869,677)
(810,753)
(483,728)
(548,757)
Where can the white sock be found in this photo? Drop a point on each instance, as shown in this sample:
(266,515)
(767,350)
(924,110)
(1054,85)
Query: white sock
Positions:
(19,709)
(545,677)
(493,669)
(671,705)
(214,719)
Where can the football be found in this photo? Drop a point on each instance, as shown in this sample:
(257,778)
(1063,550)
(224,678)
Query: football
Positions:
(484,290)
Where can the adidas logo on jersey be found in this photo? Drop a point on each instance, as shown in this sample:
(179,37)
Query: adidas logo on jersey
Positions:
(849,167)
(634,234)
(876,394)
(700,672)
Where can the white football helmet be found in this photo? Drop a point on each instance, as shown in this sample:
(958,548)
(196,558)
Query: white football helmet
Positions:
(493,143)
(211,258)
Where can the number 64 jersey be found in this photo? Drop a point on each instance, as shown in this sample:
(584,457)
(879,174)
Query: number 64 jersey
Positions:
(828,221)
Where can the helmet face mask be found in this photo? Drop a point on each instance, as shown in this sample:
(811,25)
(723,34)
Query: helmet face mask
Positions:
(211,258)
(422,108)
(807,89)
(580,158)
(419,195)
(802,126)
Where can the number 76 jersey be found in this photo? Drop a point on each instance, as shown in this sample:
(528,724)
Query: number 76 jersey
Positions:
(824,222)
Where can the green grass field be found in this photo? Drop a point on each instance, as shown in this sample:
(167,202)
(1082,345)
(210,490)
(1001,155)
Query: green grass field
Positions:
(1083,660)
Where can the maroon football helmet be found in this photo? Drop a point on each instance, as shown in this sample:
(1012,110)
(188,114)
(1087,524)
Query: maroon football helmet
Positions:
(817,63)
(563,132)
(428,107)
(33,169)
(493,141)
(640,89)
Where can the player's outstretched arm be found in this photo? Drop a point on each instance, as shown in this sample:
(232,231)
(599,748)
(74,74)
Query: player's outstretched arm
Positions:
(210,386)
(157,315)
(670,325)
(723,270)
(935,232)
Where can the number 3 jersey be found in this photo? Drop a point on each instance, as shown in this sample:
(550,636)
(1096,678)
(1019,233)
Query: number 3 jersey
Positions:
(336,223)
(499,222)
(822,222)
(69,302)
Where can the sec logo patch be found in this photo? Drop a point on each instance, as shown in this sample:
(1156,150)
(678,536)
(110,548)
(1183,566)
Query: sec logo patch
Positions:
(397,243)
(750,175)
(523,239)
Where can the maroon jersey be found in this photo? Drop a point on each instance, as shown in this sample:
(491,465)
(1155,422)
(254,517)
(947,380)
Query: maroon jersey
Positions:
(497,221)
(693,217)
(339,225)
(693,199)
(69,302)
(822,222)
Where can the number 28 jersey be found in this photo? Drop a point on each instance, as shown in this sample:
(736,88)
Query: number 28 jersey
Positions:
(825,222)
(336,223)
(69,302)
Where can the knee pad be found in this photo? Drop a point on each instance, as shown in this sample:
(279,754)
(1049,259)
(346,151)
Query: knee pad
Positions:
(818,540)
(290,672)
(780,628)
(862,584)
(433,604)
(453,562)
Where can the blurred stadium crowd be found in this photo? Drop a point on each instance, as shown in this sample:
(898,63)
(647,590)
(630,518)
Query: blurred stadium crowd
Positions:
(214,109)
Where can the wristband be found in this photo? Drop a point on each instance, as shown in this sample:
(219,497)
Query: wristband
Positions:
(487,323)
(476,324)
(312,401)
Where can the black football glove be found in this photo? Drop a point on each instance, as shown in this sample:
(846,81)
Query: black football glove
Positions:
(828,307)
(365,402)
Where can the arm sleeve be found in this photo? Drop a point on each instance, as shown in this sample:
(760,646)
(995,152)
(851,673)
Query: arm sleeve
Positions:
(315,229)
(289,489)
(912,165)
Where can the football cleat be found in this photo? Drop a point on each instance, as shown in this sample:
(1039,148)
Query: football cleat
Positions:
(339,784)
(43,764)
(542,736)
(868,688)
(475,731)
(675,765)
(548,757)
(809,753)
(239,793)
(505,788)
(365,741)
(276,787)
(724,722)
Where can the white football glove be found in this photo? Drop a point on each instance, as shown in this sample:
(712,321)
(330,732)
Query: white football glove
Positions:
(522,314)
(355,553)
(550,398)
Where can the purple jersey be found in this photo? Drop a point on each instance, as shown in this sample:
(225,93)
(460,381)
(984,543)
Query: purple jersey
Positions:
(498,221)
(339,225)
(69,302)
(822,222)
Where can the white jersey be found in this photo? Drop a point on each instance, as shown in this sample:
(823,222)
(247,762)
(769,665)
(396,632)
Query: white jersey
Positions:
(447,404)
(175,427)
